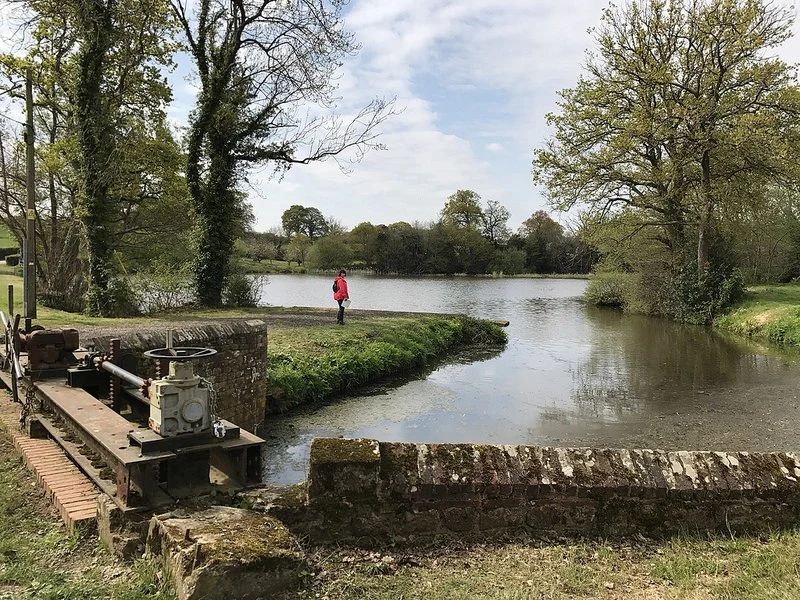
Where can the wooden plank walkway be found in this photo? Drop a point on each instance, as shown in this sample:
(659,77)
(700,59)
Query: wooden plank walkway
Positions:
(71,492)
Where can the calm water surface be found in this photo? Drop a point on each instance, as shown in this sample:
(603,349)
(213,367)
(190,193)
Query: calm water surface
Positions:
(571,375)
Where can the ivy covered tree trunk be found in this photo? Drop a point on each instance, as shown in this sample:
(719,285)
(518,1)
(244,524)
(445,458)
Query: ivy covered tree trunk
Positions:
(216,223)
(94,209)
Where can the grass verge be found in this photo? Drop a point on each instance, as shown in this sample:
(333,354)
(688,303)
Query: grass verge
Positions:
(327,360)
(768,312)
(689,567)
(38,560)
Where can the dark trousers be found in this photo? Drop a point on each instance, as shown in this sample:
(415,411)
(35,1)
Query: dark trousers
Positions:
(340,317)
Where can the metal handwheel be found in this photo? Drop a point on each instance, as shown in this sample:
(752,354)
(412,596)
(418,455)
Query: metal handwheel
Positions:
(180,353)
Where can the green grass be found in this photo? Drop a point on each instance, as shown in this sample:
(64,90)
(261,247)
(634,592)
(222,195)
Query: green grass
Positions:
(770,313)
(328,360)
(7,240)
(690,567)
(38,560)
(248,265)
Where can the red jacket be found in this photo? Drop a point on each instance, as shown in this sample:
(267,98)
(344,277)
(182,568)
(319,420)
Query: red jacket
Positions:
(341,290)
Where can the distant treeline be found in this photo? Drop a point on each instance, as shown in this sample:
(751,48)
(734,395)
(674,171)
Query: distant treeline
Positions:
(466,239)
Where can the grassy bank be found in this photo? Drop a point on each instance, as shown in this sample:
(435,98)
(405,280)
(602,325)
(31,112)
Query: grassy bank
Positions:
(770,313)
(692,568)
(38,560)
(327,360)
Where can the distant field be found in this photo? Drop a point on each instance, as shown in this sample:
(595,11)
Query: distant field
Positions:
(6,239)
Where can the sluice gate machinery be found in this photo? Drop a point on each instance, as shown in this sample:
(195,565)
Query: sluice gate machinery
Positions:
(145,442)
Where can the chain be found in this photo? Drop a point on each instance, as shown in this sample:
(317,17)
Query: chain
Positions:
(216,423)
(27,404)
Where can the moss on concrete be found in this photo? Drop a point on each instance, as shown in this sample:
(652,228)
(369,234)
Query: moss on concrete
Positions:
(341,450)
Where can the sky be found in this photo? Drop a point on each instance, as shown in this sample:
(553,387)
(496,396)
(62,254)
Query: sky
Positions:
(473,81)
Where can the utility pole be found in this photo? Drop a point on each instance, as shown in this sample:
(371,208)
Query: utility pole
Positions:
(29,245)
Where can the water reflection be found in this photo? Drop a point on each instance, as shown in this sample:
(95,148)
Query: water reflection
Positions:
(571,375)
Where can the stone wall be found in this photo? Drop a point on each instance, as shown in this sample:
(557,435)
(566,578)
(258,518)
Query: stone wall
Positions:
(365,489)
(238,370)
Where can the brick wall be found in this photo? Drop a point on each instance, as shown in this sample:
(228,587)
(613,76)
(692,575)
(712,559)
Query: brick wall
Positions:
(362,489)
(238,370)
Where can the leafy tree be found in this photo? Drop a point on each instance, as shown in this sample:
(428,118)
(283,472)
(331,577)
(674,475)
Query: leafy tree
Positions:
(297,249)
(543,238)
(261,65)
(463,210)
(362,239)
(292,219)
(329,253)
(509,261)
(260,246)
(100,95)
(495,223)
(680,115)
(307,220)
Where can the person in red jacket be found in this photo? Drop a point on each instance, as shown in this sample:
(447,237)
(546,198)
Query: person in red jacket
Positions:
(341,294)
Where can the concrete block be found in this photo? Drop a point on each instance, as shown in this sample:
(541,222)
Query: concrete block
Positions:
(225,553)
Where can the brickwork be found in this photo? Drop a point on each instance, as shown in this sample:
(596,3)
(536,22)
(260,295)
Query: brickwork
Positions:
(365,489)
(238,370)
(69,490)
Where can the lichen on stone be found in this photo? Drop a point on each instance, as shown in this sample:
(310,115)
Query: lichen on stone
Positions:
(343,450)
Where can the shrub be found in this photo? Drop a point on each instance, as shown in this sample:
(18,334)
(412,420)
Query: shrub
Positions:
(166,286)
(611,289)
(243,290)
(699,298)
(125,300)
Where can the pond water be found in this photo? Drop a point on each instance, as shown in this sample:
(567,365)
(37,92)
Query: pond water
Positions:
(571,375)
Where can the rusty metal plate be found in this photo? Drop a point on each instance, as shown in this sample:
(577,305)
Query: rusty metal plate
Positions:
(100,422)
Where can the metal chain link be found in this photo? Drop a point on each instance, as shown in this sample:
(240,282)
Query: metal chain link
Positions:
(27,405)
(218,428)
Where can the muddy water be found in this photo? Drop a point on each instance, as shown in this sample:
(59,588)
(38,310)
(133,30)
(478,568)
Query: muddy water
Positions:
(571,376)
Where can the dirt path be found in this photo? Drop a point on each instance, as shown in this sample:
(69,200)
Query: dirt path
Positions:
(281,318)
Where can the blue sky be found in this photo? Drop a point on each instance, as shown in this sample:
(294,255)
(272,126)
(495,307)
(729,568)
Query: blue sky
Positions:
(474,80)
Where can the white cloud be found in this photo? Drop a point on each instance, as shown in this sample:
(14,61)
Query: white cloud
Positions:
(515,52)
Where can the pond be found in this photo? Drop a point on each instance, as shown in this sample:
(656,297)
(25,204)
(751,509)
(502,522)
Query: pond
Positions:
(571,375)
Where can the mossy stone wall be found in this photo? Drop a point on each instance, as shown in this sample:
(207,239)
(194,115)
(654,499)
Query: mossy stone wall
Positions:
(407,491)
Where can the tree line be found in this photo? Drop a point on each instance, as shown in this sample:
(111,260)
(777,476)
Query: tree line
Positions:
(117,189)
(468,237)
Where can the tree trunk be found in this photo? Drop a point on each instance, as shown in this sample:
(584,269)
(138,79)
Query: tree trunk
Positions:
(705,216)
(94,208)
(216,223)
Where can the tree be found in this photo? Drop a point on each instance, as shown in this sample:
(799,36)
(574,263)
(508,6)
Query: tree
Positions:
(542,238)
(292,219)
(100,93)
(362,240)
(679,115)
(329,253)
(463,210)
(297,249)
(261,66)
(299,219)
(495,223)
